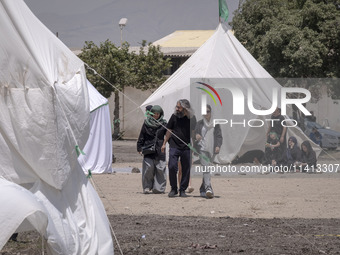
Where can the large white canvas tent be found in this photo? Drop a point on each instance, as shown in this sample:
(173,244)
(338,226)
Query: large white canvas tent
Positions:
(44,120)
(223,56)
(97,155)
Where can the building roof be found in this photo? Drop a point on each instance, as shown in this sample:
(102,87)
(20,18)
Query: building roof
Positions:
(181,43)
(185,38)
(171,51)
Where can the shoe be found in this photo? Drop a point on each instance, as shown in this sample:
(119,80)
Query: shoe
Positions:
(209,193)
(172,193)
(190,189)
(154,191)
(183,194)
(147,191)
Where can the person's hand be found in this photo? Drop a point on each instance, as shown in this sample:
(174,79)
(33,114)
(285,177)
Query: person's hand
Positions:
(198,137)
(217,150)
(163,148)
(140,153)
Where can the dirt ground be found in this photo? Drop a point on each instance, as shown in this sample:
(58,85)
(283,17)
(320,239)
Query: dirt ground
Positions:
(294,213)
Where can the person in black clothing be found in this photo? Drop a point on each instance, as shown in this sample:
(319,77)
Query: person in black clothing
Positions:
(181,128)
(154,165)
(308,157)
(273,153)
(293,153)
(276,126)
(209,140)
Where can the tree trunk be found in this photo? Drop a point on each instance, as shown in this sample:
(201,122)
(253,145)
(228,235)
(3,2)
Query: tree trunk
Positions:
(116,120)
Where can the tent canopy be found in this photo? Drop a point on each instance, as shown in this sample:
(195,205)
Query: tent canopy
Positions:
(223,56)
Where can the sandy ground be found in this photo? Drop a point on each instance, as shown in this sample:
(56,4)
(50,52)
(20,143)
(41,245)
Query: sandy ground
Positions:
(281,196)
(289,195)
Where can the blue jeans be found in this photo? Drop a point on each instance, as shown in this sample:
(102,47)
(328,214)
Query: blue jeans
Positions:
(185,159)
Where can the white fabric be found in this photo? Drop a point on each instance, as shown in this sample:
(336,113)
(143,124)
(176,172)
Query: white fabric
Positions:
(44,114)
(20,210)
(98,148)
(96,99)
(222,56)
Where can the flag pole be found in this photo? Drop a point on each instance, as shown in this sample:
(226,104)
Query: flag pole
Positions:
(219,18)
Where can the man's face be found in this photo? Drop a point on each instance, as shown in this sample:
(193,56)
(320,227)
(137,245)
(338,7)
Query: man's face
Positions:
(180,110)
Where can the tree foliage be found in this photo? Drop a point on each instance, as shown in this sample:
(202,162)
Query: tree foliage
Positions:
(292,38)
(121,68)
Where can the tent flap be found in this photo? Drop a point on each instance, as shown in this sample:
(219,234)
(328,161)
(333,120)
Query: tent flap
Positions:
(45,114)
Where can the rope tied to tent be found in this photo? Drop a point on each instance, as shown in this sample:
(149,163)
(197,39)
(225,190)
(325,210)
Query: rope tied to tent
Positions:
(89,175)
(79,151)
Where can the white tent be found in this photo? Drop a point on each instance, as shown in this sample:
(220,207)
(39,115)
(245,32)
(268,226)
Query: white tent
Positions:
(223,56)
(21,210)
(44,119)
(98,148)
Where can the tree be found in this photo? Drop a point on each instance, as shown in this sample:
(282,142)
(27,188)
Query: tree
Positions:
(292,38)
(122,68)
(150,67)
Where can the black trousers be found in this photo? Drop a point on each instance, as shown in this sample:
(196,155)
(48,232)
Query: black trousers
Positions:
(185,158)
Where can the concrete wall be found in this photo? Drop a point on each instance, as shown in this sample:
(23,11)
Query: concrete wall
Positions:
(131,116)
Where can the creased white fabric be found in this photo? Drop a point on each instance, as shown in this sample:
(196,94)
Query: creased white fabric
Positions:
(98,148)
(44,115)
(20,210)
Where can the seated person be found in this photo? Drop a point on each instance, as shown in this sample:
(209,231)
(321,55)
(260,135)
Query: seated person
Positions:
(273,152)
(315,136)
(308,157)
(293,153)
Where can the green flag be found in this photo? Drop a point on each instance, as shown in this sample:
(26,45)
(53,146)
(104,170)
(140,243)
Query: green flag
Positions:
(223,10)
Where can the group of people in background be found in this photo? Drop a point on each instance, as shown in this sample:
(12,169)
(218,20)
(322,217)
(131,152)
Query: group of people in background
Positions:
(278,153)
(179,132)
